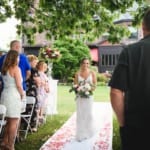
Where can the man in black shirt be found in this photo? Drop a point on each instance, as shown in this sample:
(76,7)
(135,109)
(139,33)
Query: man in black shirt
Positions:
(130,92)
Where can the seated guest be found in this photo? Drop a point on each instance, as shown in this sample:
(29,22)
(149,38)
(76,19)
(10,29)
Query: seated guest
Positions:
(32,84)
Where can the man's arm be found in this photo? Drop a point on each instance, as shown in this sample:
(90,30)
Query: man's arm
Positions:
(28,73)
(28,67)
(1,61)
(117,102)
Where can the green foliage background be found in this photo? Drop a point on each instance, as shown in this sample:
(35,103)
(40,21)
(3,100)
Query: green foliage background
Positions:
(72,51)
(60,18)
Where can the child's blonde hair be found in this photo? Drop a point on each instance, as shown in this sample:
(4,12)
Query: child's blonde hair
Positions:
(32,58)
(40,63)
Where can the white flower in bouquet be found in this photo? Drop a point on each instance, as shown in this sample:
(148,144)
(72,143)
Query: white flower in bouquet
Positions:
(80,88)
(87,93)
(84,89)
(88,86)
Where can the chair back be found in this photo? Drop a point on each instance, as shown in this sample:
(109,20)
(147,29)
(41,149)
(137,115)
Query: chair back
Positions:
(26,116)
(2,116)
(30,100)
(2,109)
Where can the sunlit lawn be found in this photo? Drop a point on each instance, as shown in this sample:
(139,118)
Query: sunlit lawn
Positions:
(65,107)
(66,99)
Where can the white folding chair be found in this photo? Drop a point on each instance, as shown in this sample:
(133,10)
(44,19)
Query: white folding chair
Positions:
(2,117)
(30,100)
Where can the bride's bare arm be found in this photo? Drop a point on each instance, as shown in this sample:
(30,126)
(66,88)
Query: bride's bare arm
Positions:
(76,78)
(94,80)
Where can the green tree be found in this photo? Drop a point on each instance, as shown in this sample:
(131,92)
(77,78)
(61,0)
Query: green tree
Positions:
(59,18)
(72,52)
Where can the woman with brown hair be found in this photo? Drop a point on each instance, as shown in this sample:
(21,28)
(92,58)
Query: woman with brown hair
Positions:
(85,78)
(32,84)
(11,97)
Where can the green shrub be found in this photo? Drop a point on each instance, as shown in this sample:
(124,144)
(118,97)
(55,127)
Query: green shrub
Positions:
(72,51)
(95,69)
(102,78)
(101,84)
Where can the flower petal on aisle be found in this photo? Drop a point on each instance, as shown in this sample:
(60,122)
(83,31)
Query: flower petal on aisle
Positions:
(64,138)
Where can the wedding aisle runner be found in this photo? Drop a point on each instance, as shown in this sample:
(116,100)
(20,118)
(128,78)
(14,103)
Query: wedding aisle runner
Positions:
(64,138)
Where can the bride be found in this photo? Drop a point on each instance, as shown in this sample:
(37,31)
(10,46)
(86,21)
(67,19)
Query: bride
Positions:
(84,104)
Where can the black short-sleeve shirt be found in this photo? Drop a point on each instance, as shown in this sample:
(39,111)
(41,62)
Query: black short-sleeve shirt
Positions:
(132,75)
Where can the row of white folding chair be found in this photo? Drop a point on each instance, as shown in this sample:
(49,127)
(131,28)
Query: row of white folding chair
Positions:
(30,100)
(2,117)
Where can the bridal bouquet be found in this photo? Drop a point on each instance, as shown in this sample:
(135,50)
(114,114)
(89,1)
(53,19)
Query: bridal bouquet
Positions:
(83,89)
(48,54)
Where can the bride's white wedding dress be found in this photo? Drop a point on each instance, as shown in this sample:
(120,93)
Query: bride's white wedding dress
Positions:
(84,122)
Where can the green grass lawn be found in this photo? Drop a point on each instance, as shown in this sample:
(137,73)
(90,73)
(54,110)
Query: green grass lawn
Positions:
(65,106)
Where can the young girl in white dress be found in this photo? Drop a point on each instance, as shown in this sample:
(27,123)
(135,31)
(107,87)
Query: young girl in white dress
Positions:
(42,90)
(84,105)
